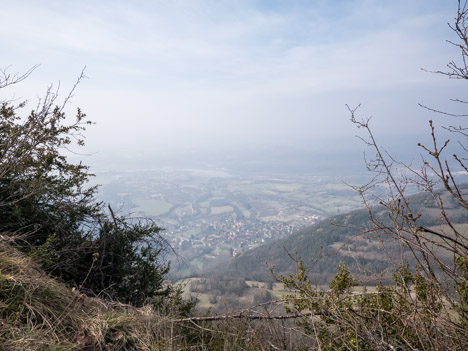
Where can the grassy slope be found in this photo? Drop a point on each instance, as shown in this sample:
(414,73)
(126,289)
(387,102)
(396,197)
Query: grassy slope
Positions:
(40,313)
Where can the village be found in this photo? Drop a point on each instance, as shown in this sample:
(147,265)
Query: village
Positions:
(239,235)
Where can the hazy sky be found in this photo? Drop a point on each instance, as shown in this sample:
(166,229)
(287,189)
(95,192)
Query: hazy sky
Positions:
(172,75)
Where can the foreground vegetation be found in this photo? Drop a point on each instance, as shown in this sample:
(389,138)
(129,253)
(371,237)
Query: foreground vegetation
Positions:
(76,276)
(38,312)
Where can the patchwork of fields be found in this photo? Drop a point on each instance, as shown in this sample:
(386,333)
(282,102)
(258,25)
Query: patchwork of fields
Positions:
(212,215)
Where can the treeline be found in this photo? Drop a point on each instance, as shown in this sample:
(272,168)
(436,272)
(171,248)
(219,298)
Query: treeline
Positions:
(219,284)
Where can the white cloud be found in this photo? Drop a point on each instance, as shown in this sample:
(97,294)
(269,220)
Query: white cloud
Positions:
(238,69)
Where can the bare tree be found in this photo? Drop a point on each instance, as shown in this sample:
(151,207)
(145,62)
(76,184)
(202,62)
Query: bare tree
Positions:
(425,305)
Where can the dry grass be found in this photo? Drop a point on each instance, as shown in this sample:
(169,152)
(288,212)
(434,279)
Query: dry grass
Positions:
(40,313)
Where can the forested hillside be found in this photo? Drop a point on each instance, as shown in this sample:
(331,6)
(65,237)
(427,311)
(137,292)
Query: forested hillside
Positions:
(327,244)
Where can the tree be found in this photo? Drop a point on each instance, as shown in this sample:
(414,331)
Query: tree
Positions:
(50,212)
(424,303)
(42,194)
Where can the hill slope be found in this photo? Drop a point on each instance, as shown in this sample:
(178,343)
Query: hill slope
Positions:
(335,240)
(41,313)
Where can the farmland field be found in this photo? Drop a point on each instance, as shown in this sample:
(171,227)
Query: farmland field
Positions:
(152,207)
(211,215)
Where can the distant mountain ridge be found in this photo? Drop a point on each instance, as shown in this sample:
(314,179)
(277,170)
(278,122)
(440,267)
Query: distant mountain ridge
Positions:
(335,240)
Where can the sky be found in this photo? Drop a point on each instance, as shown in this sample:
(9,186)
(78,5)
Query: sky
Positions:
(190,77)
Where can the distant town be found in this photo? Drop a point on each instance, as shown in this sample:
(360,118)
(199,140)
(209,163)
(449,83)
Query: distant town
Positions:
(241,235)
(212,215)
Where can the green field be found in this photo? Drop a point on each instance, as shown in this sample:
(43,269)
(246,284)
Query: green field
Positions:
(153,207)
(255,291)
